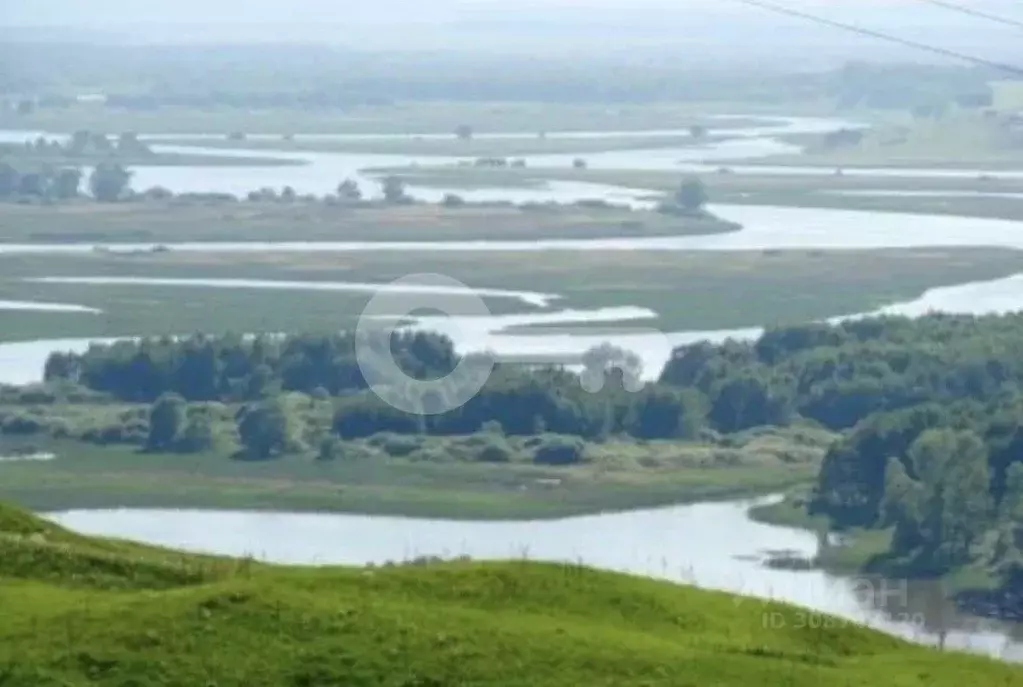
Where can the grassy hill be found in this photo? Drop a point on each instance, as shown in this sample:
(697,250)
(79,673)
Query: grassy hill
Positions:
(81,610)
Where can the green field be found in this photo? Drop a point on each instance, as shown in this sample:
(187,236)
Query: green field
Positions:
(440,477)
(475,147)
(194,220)
(402,118)
(959,139)
(23,159)
(82,610)
(689,291)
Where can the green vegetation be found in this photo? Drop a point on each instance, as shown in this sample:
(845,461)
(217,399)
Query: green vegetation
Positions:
(284,216)
(989,140)
(472,147)
(84,610)
(402,118)
(88,148)
(688,291)
(938,196)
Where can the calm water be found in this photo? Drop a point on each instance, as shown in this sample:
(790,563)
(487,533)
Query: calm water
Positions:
(715,546)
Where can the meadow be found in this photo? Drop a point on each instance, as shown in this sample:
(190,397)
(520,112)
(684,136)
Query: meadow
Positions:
(688,291)
(84,610)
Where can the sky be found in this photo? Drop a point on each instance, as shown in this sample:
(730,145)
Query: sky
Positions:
(711,27)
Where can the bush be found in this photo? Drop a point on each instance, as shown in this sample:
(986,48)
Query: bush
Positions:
(396,445)
(559,451)
(496,450)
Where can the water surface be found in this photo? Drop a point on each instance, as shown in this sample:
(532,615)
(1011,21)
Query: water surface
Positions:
(715,546)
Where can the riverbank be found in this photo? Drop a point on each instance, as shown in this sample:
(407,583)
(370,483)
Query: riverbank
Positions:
(427,477)
(859,551)
(109,601)
(988,194)
(197,219)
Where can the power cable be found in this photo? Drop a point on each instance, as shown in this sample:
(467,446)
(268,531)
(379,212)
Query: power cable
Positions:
(780,9)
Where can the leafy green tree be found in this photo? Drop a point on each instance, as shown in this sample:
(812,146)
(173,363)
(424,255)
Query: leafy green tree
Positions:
(166,421)
(265,429)
(953,469)
(109,182)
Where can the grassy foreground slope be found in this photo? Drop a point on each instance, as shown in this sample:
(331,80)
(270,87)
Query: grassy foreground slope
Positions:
(79,610)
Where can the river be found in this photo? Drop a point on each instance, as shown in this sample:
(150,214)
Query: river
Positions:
(712,545)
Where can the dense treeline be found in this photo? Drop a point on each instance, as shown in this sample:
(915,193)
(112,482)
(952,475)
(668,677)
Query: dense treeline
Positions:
(931,409)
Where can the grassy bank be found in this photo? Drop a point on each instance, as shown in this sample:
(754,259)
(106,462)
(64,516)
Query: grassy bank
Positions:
(861,550)
(80,609)
(411,476)
(194,220)
(960,140)
(453,146)
(688,291)
(792,190)
(403,118)
(22,158)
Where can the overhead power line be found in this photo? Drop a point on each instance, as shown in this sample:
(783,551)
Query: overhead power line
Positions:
(974,13)
(780,9)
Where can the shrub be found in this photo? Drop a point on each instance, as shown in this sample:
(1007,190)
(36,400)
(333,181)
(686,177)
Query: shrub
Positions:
(559,451)
(496,450)
(396,445)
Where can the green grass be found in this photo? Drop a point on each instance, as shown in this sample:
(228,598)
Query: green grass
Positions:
(689,291)
(960,139)
(114,614)
(24,159)
(442,477)
(402,118)
(474,148)
(191,220)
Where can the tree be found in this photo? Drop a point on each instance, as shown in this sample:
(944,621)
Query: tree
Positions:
(264,429)
(109,182)
(698,132)
(288,195)
(66,183)
(349,190)
(394,190)
(691,195)
(463,132)
(166,420)
(952,466)
(579,163)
